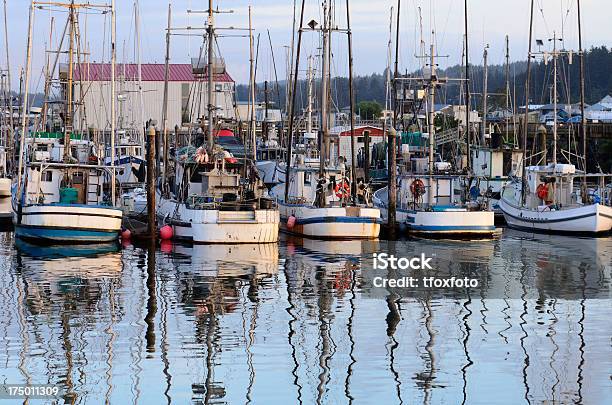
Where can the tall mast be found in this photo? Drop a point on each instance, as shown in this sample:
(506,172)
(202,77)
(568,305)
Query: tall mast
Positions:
(211,102)
(9,145)
(140,94)
(352,105)
(24,114)
(582,98)
(113,95)
(69,101)
(468,135)
(485,95)
(309,77)
(430,111)
(554,145)
(507,84)
(292,105)
(165,102)
(252,90)
(526,119)
(392,138)
(325,90)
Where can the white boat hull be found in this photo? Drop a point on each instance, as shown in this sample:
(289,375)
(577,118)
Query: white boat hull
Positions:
(73,223)
(217,226)
(595,218)
(331,222)
(451,222)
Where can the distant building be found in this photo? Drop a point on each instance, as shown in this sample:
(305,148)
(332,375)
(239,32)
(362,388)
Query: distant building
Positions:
(601,111)
(341,137)
(187,93)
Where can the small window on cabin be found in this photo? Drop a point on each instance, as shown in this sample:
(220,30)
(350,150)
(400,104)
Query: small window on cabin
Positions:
(218,87)
(46,177)
(360,139)
(307,178)
(77,178)
(41,147)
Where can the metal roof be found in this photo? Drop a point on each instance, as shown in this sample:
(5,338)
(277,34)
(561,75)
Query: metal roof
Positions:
(151,72)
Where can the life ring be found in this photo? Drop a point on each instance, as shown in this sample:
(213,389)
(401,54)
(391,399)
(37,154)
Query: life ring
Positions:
(542,191)
(417,188)
(342,189)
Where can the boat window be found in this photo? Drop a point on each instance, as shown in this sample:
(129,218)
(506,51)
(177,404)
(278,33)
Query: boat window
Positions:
(360,139)
(41,147)
(307,178)
(46,176)
(77,178)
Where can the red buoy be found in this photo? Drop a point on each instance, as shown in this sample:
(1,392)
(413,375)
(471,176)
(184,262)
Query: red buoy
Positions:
(166,232)
(291,222)
(126,234)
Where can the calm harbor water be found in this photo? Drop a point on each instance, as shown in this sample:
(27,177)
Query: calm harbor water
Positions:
(299,322)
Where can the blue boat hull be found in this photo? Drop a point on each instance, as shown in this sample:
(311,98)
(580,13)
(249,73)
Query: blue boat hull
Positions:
(64,235)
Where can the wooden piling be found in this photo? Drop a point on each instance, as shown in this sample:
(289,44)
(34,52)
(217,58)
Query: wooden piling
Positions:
(151,176)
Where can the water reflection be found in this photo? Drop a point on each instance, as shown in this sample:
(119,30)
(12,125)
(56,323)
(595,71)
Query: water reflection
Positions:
(299,323)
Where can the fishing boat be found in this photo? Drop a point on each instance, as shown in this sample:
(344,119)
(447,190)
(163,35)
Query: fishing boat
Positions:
(319,200)
(431,195)
(545,198)
(214,203)
(217,197)
(62,193)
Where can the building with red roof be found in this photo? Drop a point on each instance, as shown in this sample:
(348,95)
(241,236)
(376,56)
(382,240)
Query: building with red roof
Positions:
(187,93)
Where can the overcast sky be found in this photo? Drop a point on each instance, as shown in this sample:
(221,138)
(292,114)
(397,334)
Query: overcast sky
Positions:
(489,22)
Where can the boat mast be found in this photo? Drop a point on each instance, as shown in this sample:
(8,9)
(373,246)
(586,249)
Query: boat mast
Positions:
(211,102)
(431,115)
(113,97)
(526,119)
(69,101)
(392,138)
(554,145)
(485,96)
(252,123)
(352,106)
(467,89)
(324,130)
(139,62)
(9,145)
(24,114)
(165,101)
(292,105)
(507,85)
(582,98)
(309,77)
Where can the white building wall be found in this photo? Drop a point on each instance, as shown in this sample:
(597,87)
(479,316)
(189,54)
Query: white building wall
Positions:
(97,105)
(345,145)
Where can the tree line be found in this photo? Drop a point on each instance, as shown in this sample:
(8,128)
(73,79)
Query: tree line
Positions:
(373,87)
